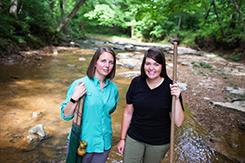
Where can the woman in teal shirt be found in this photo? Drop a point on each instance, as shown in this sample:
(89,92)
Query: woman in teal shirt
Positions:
(100,100)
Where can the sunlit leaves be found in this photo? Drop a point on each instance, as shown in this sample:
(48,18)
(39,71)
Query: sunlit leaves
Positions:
(103,13)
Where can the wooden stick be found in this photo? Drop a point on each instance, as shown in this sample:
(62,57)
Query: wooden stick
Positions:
(171,158)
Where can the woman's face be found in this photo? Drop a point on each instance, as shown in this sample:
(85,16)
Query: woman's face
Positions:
(104,64)
(152,69)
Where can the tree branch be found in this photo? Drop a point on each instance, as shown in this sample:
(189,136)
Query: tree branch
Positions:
(70,16)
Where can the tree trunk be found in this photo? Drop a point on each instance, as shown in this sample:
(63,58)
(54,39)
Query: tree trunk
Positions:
(70,16)
(52,7)
(179,22)
(62,9)
(1,6)
(237,7)
(132,31)
(13,7)
(132,27)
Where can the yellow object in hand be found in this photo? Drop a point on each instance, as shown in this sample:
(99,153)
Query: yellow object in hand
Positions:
(81,150)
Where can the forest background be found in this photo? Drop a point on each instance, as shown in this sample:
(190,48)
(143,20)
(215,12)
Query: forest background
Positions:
(202,24)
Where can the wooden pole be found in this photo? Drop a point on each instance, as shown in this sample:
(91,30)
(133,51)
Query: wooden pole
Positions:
(171,157)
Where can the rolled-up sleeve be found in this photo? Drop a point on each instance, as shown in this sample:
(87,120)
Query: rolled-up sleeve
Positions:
(68,97)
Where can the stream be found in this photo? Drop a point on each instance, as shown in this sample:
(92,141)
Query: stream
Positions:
(31,93)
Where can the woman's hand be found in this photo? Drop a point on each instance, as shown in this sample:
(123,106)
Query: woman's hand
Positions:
(79,91)
(120,146)
(175,90)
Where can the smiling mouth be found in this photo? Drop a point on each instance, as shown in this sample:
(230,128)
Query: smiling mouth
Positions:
(151,73)
(106,71)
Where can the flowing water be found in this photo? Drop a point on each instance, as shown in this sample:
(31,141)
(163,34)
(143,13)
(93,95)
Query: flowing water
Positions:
(39,86)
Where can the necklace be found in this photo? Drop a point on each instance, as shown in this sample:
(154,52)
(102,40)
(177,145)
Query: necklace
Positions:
(154,84)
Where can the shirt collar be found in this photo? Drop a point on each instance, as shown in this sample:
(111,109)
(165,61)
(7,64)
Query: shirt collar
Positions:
(97,82)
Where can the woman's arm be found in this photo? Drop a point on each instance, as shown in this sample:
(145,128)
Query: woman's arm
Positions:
(79,91)
(179,113)
(127,116)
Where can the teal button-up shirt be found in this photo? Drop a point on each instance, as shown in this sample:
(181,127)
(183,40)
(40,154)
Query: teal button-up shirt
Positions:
(96,120)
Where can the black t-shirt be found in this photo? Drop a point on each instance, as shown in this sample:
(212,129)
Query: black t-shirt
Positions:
(150,121)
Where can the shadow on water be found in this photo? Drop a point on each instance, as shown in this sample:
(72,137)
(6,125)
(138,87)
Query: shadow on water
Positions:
(41,87)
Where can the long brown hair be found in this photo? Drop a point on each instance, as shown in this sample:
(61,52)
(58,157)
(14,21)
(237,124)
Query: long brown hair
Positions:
(91,67)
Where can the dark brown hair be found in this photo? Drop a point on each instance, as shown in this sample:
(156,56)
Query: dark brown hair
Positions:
(157,55)
(91,67)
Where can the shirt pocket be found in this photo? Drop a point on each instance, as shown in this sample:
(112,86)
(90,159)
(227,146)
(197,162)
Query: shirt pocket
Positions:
(89,96)
(88,93)
(92,100)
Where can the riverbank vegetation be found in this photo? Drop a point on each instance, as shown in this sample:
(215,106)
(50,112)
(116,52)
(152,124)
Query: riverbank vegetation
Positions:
(202,24)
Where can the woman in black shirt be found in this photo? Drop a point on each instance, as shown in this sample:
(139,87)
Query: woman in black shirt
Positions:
(145,132)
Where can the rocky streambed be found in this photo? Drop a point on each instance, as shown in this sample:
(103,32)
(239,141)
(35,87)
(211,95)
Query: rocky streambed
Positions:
(33,84)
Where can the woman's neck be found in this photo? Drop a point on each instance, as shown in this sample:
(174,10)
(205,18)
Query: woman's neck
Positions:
(153,83)
(101,79)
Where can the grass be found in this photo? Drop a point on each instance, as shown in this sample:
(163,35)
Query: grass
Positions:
(234,57)
(202,65)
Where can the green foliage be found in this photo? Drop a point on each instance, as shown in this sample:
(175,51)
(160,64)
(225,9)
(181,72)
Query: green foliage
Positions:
(6,26)
(187,37)
(202,65)
(33,24)
(157,32)
(76,30)
(235,57)
(103,13)
(107,15)
(6,22)
(221,21)
(38,16)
